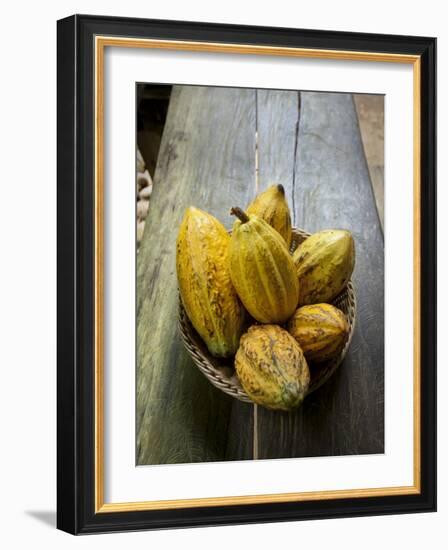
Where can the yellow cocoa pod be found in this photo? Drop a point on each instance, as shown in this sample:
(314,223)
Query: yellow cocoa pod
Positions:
(262,270)
(324,263)
(272,368)
(206,290)
(272,207)
(321,331)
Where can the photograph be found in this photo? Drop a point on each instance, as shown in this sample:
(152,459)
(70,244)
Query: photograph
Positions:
(224,276)
(259,274)
(246,269)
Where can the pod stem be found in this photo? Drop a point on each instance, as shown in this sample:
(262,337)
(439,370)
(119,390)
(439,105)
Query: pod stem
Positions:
(281,189)
(240,214)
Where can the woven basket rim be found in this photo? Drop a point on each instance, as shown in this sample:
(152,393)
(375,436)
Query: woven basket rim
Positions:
(221,372)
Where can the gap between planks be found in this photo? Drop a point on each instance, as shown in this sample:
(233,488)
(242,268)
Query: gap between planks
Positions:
(255,437)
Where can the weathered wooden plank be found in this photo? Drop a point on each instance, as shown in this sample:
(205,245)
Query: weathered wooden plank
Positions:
(331,188)
(206,159)
(240,438)
(277,118)
(277,125)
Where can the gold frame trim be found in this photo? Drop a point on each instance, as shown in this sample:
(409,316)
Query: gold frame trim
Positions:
(101,42)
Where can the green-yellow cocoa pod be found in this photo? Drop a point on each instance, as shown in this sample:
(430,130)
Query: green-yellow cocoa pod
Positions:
(324,263)
(207,293)
(321,331)
(262,270)
(272,368)
(272,207)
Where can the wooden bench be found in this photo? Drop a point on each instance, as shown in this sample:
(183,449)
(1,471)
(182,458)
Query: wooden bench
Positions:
(219,147)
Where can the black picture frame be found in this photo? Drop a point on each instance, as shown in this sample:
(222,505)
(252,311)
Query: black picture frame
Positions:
(75,264)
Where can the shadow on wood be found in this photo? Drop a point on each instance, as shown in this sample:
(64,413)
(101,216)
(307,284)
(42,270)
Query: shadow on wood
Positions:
(310,143)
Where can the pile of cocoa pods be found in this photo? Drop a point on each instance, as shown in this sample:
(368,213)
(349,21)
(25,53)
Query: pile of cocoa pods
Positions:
(251,299)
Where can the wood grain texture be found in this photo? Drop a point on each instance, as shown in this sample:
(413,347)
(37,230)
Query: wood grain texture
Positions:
(309,142)
(206,159)
(277,126)
(332,190)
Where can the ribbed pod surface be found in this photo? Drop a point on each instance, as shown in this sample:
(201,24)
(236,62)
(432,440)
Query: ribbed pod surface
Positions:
(272,368)
(262,270)
(206,290)
(272,207)
(320,330)
(324,263)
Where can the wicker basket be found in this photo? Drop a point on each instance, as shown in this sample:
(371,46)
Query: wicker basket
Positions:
(221,372)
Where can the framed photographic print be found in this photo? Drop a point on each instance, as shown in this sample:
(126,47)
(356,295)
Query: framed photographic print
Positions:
(246,274)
